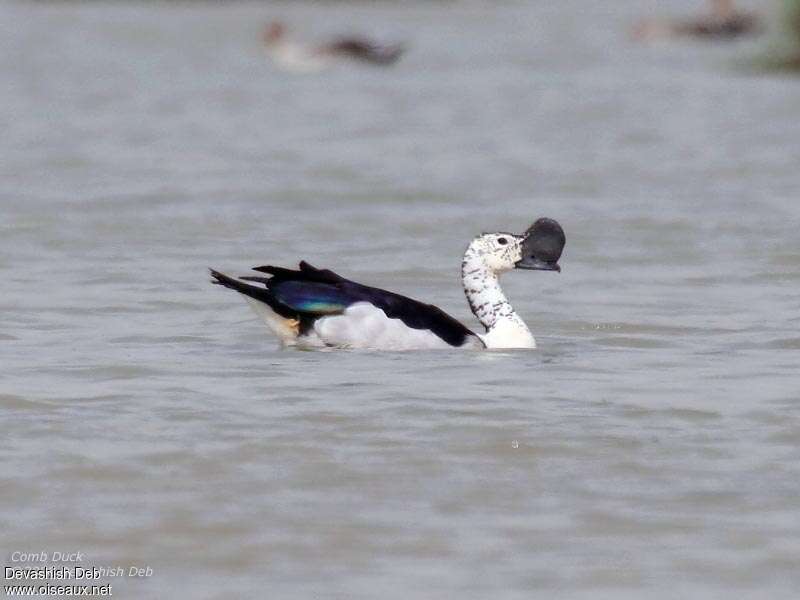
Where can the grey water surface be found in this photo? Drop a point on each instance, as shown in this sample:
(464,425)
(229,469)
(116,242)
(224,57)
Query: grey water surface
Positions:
(649,448)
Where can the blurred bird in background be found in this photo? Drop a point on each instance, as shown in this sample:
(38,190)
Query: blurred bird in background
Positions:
(723,22)
(296,55)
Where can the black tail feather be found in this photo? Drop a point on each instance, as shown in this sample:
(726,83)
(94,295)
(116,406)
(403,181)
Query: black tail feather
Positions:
(276,271)
(264,280)
(307,272)
(252,291)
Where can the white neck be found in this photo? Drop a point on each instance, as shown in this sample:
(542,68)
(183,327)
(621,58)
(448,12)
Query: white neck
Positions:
(504,327)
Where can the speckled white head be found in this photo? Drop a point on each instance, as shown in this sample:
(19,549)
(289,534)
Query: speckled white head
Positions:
(496,252)
(538,249)
(491,254)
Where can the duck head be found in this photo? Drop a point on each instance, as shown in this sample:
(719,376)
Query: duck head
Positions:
(538,249)
(274,32)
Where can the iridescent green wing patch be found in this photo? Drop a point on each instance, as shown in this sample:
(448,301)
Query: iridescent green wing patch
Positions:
(311,298)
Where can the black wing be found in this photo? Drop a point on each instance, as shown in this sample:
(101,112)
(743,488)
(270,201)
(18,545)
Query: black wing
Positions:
(365,50)
(311,293)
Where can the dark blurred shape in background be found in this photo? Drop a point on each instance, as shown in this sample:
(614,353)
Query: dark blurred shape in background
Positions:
(783,52)
(723,22)
(296,55)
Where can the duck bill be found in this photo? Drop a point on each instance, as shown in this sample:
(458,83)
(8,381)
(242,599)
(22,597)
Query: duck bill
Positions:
(541,246)
(535,264)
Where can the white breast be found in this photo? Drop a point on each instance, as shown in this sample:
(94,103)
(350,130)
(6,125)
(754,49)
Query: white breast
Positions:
(507,333)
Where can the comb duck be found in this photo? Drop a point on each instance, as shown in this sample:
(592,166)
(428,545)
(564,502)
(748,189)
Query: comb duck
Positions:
(316,308)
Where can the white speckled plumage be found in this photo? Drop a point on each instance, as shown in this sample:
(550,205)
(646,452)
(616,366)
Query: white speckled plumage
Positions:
(484,261)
